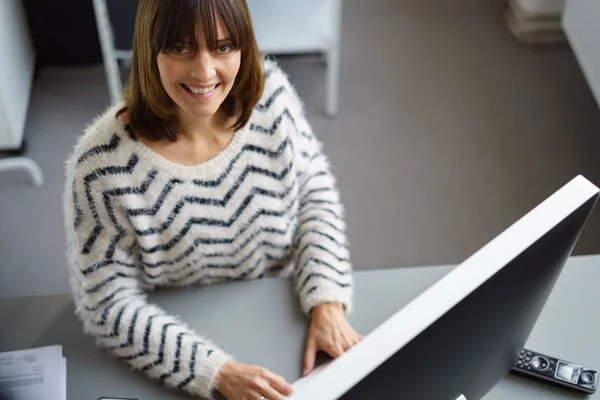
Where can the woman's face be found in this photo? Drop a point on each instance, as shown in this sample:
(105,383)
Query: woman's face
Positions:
(199,80)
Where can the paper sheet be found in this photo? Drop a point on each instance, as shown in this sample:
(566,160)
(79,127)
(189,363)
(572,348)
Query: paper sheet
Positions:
(33,374)
(63,380)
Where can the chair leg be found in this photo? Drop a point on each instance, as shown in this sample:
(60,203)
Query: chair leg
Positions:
(332,83)
(25,164)
(111,65)
(333,61)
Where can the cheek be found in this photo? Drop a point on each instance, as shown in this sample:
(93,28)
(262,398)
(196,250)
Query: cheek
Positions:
(232,67)
(162,71)
(168,71)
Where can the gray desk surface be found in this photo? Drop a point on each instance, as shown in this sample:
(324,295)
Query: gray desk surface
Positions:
(273,335)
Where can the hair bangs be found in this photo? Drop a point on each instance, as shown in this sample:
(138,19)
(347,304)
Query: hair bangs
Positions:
(175,24)
(181,20)
(234,22)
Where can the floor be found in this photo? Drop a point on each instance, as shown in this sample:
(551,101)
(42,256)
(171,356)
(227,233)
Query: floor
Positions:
(448,132)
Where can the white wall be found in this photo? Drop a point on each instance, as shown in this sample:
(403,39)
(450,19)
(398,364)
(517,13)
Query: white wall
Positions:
(581,21)
(17,60)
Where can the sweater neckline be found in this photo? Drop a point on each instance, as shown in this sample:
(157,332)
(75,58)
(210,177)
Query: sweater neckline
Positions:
(209,167)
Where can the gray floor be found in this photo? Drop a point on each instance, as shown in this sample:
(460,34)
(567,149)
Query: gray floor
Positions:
(448,132)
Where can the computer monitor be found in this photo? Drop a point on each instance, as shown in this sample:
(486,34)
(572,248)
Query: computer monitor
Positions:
(462,335)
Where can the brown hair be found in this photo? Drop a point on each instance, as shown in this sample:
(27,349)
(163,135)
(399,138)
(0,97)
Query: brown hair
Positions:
(160,25)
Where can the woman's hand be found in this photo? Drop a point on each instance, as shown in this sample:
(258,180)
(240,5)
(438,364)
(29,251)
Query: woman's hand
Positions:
(330,332)
(237,381)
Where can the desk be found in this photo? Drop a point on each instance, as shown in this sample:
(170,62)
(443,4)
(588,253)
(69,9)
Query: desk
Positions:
(274,335)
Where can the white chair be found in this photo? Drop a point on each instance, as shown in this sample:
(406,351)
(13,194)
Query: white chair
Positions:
(281,26)
(24,164)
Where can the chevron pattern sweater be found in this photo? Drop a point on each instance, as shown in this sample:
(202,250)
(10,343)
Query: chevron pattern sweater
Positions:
(267,205)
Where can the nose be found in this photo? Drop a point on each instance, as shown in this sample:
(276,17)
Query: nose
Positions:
(204,69)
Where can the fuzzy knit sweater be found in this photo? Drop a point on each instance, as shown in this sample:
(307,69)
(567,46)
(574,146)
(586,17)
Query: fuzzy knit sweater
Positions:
(267,205)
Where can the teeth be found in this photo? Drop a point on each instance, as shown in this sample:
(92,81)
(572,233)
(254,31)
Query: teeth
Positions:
(201,90)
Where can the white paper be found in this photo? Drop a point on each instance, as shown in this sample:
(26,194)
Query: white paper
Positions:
(33,374)
(63,380)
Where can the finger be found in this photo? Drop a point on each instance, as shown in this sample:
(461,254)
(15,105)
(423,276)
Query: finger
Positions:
(358,339)
(270,393)
(309,357)
(279,383)
(355,338)
(352,338)
(335,350)
(266,392)
(349,341)
(348,345)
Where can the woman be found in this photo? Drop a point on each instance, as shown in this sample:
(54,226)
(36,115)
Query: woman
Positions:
(207,172)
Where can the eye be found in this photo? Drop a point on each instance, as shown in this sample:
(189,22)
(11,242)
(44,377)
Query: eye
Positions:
(224,48)
(179,49)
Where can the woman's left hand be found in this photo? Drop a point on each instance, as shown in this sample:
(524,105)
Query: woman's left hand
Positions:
(330,332)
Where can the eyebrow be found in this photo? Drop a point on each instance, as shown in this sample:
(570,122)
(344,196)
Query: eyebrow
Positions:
(227,39)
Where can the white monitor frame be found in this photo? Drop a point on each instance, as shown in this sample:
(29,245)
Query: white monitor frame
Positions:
(339,375)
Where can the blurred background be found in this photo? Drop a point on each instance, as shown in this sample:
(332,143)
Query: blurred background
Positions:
(445,121)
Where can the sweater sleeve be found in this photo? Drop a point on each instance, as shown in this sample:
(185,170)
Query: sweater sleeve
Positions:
(111,303)
(323,270)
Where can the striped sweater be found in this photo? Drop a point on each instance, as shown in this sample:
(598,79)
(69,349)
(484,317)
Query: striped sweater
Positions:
(266,205)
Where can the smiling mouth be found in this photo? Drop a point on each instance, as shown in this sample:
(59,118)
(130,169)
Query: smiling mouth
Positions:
(206,90)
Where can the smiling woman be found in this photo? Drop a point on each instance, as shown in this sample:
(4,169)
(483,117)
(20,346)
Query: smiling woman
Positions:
(203,74)
(206,172)
(191,45)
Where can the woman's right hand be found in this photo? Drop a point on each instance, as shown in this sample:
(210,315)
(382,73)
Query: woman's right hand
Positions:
(239,381)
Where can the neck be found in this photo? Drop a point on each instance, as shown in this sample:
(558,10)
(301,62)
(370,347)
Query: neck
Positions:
(195,129)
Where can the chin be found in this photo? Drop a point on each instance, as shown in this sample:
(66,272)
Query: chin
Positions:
(200,112)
